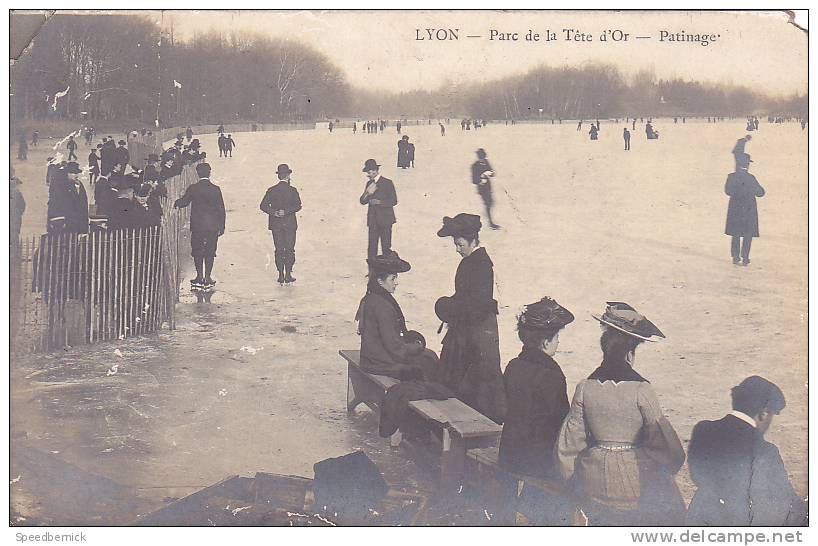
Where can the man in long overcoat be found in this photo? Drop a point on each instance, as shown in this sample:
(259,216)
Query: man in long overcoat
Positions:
(381,198)
(68,203)
(740,476)
(742,209)
(281,202)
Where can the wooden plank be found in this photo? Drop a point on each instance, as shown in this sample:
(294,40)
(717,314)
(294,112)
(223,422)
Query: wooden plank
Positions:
(463,420)
(354,360)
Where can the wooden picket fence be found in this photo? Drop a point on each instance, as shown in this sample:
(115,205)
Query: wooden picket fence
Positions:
(69,289)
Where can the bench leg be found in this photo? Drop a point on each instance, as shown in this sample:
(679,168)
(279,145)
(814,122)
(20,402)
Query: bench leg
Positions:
(352,398)
(452,461)
(396,439)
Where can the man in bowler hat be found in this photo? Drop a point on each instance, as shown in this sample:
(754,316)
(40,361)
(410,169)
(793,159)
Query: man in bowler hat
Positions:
(381,197)
(68,203)
(742,209)
(207,219)
(481,175)
(740,476)
(281,202)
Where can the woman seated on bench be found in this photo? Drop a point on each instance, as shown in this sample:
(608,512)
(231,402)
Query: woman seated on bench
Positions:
(387,348)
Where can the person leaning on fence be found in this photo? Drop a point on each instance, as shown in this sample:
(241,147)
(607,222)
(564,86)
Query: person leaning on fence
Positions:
(616,446)
(740,476)
(280,203)
(207,222)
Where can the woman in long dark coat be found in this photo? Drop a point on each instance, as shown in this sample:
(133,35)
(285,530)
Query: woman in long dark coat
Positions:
(403,152)
(616,445)
(742,209)
(470,355)
(387,348)
(536,393)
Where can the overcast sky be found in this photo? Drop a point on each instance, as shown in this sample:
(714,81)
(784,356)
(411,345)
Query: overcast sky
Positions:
(379,50)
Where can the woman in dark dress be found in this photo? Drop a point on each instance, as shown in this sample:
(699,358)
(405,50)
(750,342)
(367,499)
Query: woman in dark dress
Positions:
(403,152)
(387,348)
(616,444)
(536,393)
(470,355)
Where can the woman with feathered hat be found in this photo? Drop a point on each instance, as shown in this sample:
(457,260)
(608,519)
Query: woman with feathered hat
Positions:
(616,443)
(470,355)
(387,347)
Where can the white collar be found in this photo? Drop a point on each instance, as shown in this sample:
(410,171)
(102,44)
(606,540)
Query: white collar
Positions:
(744,417)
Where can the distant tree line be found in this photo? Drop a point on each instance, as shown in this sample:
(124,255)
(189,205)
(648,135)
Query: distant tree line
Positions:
(124,67)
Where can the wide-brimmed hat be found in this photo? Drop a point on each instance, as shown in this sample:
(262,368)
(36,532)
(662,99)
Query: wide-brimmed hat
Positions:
(389,262)
(283,169)
(462,225)
(626,319)
(545,314)
(73,168)
(370,165)
(446,308)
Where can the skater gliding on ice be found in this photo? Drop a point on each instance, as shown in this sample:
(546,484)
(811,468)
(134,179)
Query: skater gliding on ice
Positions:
(481,174)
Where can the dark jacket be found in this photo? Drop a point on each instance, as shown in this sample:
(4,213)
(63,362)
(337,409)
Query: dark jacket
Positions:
(17,207)
(127,213)
(123,156)
(381,325)
(207,212)
(537,402)
(93,161)
(278,197)
(740,477)
(473,289)
(477,169)
(742,210)
(104,197)
(382,214)
(68,204)
(150,174)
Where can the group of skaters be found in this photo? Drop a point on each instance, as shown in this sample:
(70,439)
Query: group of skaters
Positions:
(467,123)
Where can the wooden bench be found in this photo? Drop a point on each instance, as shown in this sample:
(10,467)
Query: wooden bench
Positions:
(504,489)
(363,387)
(458,426)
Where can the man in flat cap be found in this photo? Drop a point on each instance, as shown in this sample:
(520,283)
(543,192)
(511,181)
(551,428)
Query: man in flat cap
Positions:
(470,356)
(207,222)
(381,198)
(740,476)
(481,175)
(281,202)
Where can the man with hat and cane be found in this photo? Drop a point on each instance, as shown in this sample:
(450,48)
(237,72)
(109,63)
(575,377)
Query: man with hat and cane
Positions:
(742,209)
(207,220)
(281,202)
(381,197)
(481,175)
(740,476)
(470,356)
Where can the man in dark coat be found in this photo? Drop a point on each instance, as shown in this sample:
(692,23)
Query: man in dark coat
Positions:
(742,209)
(740,476)
(281,202)
(16,209)
(222,151)
(68,203)
(229,144)
(104,196)
(123,156)
(72,148)
(481,175)
(470,356)
(626,135)
(536,393)
(381,198)
(93,164)
(207,222)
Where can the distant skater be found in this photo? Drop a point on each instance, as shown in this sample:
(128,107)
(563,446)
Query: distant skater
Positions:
(626,135)
(72,148)
(594,132)
(229,144)
(281,202)
(381,198)
(481,175)
(443,129)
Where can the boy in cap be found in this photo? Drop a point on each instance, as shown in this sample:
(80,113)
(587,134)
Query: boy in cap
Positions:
(470,356)
(281,202)
(379,194)
(481,175)
(207,220)
(740,476)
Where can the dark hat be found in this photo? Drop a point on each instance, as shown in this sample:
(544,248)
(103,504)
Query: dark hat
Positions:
(99,145)
(481,153)
(370,165)
(73,167)
(758,389)
(122,143)
(626,319)
(545,314)
(413,336)
(153,157)
(143,190)
(283,169)
(405,137)
(388,263)
(462,225)
(445,308)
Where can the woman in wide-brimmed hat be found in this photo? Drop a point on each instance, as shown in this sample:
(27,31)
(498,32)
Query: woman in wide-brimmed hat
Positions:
(616,443)
(387,347)
(470,356)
